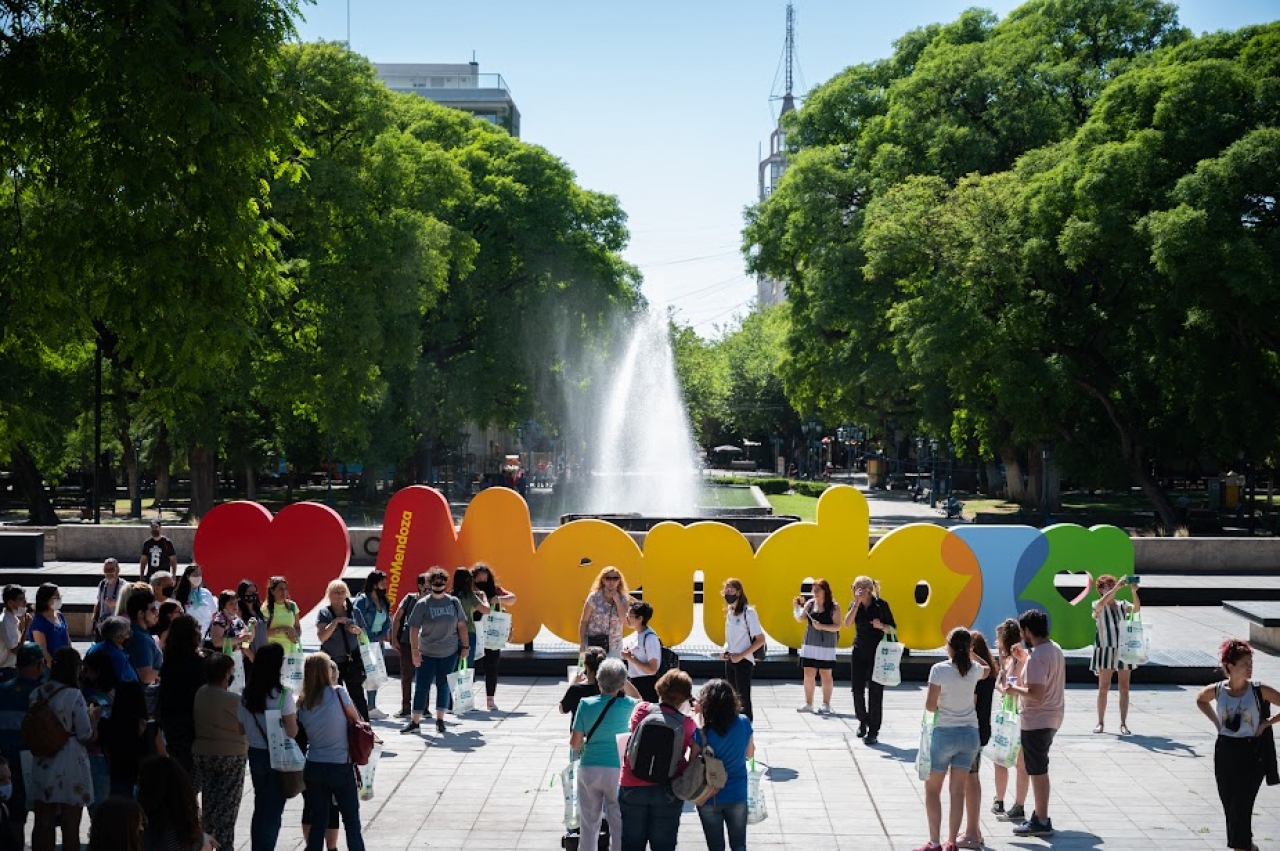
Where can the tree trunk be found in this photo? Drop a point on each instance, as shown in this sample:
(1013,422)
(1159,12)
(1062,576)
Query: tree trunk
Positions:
(31,484)
(203,480)
(288,483)
(250,481)
(1134,456)
(1014,489)
(1033,496)
(129,458)
(163,459)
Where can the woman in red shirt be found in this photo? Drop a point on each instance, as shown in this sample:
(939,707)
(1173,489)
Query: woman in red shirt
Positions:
(651,811)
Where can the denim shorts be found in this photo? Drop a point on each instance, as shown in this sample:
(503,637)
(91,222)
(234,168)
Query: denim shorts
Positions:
(953,747)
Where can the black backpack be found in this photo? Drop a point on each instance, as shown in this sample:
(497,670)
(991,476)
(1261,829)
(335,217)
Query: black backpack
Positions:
(656,745)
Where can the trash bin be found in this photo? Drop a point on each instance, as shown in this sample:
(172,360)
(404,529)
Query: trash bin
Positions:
(876,468)
(1232,489)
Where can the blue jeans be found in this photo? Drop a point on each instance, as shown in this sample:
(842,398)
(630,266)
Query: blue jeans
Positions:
(953,747)
(718,818)
(650,814)
(334,780)
(268,801)
(433,670)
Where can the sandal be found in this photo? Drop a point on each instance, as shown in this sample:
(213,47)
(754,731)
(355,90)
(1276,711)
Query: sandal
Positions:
(1124,730)
(1098,729)
(967,841)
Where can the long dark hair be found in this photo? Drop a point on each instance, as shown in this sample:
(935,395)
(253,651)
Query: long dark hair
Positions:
(169,800)
(462,584)
(44,594)
(719,705)
(264,677)
(488,586)
(183,592)
(959,643)
(245,611)
(116,825)
(183,639)
(981,650)
(373,592)
(741,605)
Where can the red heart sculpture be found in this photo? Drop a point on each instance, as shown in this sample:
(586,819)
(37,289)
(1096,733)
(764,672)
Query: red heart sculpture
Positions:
(306,542)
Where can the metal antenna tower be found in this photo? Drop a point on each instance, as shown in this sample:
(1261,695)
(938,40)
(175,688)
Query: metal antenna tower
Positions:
(790,48)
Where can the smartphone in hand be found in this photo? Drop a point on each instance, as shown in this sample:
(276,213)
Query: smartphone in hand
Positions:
(1135,580)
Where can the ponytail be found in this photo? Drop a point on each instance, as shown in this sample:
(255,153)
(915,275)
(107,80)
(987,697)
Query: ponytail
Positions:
(960,642)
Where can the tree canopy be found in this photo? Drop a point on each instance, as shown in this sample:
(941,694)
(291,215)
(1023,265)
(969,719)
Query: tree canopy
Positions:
(1054,229)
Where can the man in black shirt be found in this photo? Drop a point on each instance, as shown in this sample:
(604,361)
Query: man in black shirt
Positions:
(157,554)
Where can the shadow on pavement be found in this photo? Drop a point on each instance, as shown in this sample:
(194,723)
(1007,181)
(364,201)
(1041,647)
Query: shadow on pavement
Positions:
(463,742)
(778,774)
(1060,840)
(1161,744)
(900,754)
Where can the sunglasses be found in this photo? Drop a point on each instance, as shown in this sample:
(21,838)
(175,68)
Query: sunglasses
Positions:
(612,578)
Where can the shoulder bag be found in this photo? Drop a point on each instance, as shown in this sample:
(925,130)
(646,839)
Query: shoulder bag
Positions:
(291,783)
(360,736)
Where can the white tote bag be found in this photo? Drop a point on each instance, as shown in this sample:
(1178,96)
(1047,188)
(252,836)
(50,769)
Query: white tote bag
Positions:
(291,673)
(495,629)
(1135,641)
(237,667)
(757,810)
(1006,734)
(375,666)
(569,785)
(924,760)
(888,663)
(367,771)
(461,686)
(283,750)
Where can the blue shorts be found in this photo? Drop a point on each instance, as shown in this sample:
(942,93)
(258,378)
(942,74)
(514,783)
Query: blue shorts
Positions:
(953,747)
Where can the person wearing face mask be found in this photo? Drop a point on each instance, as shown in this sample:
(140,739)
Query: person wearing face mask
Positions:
(442,633)
(15,620)
(404,644)
(743,636)
(11,834)
(163,585)
(158,553)
(195,599)
(108,594)
(48,629)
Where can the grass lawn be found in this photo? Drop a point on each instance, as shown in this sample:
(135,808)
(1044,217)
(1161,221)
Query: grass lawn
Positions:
(804,507)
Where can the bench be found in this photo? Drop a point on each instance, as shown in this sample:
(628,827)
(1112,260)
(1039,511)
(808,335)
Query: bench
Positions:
(1264,620)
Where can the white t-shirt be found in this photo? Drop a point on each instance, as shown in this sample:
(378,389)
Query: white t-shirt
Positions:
(955,700)
(646,646)
(10,638)
(741,630)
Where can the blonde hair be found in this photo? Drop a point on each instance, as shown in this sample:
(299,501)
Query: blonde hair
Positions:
(338,585)
(867,582)
(622,583)
(318,674)
(122,603)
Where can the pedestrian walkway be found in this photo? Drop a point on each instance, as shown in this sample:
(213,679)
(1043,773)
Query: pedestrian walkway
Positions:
(485,783)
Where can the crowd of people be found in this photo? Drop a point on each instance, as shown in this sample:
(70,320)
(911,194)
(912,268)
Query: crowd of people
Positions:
(182,693)
(154,729)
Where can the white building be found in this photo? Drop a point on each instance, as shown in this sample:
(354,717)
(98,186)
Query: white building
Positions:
(458,86)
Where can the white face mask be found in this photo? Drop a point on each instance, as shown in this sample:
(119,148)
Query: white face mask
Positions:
(57,603)
(197,581)
(19,612)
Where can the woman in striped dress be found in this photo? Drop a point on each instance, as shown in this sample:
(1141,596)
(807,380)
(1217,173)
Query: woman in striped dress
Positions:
(818,654)
(1109,615)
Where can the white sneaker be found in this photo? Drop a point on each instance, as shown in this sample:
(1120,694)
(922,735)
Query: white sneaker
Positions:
(807,707)
(376,714)
(825,709)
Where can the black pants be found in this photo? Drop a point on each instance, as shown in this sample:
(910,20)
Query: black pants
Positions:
(407,674)
(490,661)
(355,687)
(1239,772)
(868,696)
(647,687)
(739,676)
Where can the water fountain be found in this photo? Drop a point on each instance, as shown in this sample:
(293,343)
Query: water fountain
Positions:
(643,459)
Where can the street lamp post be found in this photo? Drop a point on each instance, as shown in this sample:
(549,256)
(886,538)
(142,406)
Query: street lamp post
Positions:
(933,473)
(135,505)
(841,434)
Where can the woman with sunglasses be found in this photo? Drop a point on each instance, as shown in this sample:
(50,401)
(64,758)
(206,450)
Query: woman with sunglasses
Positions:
(1109,615)
(604,613)
(1245,748)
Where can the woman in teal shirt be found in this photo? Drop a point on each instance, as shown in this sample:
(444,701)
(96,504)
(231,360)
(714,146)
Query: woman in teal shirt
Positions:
(602,717)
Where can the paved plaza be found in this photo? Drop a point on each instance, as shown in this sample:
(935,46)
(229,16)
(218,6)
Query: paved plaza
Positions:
(485,783)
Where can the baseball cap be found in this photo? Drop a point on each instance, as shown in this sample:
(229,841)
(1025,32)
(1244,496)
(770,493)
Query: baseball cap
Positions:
(29,653)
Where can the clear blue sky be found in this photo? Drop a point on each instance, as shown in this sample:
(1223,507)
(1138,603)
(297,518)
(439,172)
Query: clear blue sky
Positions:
(662,103)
